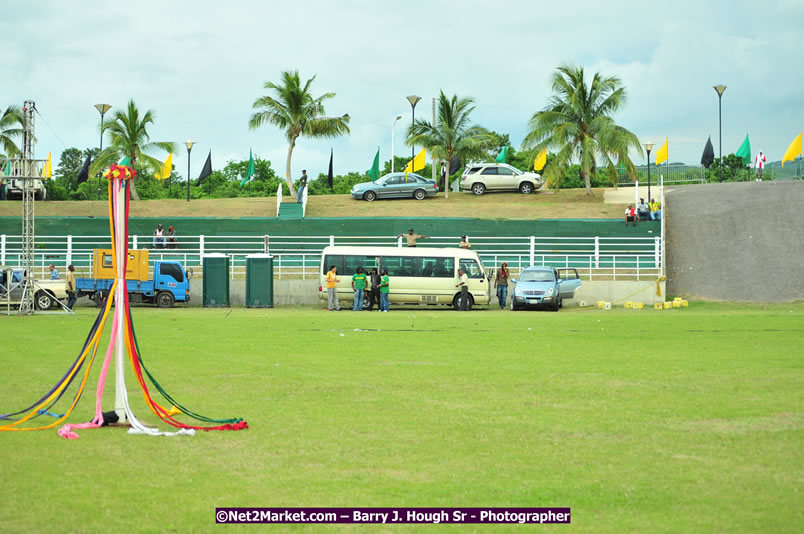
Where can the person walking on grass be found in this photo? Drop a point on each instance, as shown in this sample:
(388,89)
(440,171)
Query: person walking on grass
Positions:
(501,283)
(373,290)
(332,292)
(464,298)
(71,297)
(412,236)
(385,288)
(359,287)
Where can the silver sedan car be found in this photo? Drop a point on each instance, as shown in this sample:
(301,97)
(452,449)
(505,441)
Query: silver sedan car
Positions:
(396,185)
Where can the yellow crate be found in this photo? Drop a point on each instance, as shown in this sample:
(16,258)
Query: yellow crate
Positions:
(676,303)
(607,305)
(638,305)
(601,304)
(684,304)
(629,305)
(677,299)
(668,305)
(136,266)
(658,306)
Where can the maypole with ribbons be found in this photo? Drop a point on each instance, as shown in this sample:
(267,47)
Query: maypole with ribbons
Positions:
(122,344)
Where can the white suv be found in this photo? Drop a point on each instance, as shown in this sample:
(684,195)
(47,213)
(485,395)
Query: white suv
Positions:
(481,177)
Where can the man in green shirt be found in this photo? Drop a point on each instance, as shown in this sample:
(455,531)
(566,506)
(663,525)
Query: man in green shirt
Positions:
(384,289)
(359,287)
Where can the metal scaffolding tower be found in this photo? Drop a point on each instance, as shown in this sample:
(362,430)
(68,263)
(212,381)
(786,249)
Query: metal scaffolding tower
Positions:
(27,169)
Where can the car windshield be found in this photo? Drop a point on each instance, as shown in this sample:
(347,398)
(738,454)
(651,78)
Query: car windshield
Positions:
(536,276)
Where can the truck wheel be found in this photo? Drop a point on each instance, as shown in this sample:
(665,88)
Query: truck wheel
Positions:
(165,299)
(44,301)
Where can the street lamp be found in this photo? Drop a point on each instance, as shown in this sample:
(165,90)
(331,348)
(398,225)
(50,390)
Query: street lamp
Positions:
(413,99)
(720,90)
(392,141)
(189,145)
(648,148)
(102,109)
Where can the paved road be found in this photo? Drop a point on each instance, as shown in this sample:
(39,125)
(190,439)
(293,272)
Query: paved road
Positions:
(736,241)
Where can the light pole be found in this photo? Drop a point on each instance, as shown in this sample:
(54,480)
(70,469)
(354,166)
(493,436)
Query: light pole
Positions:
(102,109)
(648,148)
(392,141)
(720,90)
(413,99)
(189,145)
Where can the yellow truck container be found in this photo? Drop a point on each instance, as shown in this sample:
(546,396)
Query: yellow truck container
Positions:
(136,266)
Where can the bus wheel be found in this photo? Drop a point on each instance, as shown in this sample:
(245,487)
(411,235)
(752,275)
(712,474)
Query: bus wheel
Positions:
(456,302)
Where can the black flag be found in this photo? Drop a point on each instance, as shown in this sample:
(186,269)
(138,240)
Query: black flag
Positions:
(83,174)
(206,171)
(329,175)
(708,154)
(454,164)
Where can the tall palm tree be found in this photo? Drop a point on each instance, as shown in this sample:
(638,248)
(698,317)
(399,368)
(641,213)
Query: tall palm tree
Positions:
(578,124)
(129,138)
(453,133)
(10,128)
(292,108)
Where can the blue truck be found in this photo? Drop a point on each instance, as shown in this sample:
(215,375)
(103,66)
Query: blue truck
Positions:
(169,283)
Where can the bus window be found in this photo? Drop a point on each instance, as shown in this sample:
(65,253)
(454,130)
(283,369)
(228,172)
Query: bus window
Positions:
(438,267)
(393,264)
(347,265)
(471,268)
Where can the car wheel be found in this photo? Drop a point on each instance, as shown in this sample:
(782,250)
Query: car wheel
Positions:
(526,188)
(478,189)
(419,194)
(44,301)
(456,302)
(165,299)
(370,196)
(555,306)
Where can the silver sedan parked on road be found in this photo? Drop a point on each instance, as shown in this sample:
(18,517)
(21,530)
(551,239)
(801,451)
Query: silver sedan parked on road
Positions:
(396,185)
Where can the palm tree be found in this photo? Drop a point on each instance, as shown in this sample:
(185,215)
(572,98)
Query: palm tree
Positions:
(129,138)
(453,134)
(578,123)
(292,108)
(10,128)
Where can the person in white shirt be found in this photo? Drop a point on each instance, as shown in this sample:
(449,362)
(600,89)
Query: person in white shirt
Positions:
(159,237)
(643,210)
(464,298)
(759,164)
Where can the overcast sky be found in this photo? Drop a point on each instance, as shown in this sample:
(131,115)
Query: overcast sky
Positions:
(200,65)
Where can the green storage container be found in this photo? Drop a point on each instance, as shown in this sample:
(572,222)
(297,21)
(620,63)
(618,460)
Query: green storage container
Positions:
(259,281)
(216,281)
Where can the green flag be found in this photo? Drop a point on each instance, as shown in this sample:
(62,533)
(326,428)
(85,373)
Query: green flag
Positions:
(744,152)
(125,162)
(503,156)
(374,173)
(250,171)
(8,169)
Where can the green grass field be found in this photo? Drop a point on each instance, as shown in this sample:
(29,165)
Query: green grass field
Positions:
(685,420)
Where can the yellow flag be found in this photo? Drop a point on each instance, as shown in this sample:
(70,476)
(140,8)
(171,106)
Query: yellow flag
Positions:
(47,168)
(661,154)
(417,162)
(164,172)
(540,161)
(793,150)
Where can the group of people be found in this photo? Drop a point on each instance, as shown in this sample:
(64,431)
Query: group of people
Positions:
(165,240)
(71,295)
(643,211)
(375,285)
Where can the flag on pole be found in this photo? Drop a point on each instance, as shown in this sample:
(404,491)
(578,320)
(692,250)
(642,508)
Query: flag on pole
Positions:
(374,173)
(416,164)
(125,162)
(661,154)
(7,170)
(83,174)
(330,176)
(793,150)
(744,152)
(47,168)
(708,156)
(250,171)
(206,171)
(164,172)
(455,164)
(540,161)
(502,157)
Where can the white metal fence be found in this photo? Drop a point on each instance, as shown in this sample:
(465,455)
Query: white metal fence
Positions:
(614,258)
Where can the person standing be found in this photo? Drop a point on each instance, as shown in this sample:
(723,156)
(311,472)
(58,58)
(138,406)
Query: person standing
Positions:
(444,177)
(385,288)
(465,244)
(501,283)
(359,287)
(302,185)
(159,237)
(332,292)
(759,164)
(71,298)
(374,290)
(412,236)
(54,273)
(464,298)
